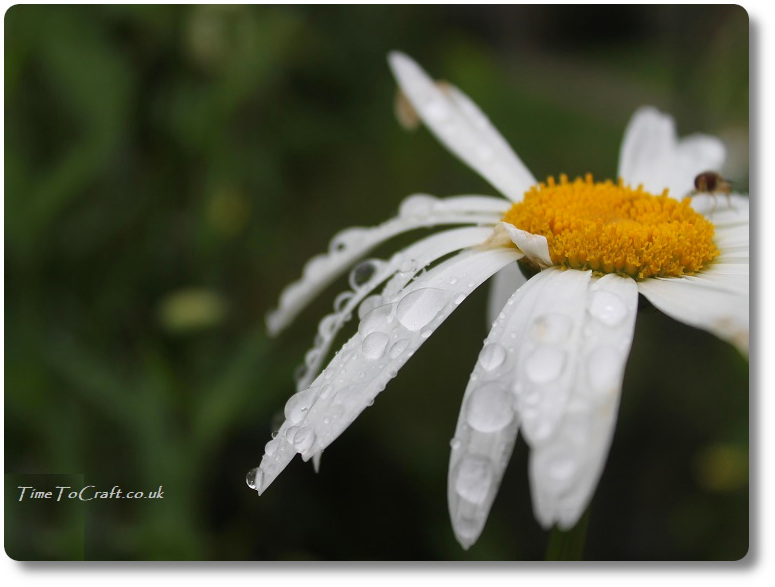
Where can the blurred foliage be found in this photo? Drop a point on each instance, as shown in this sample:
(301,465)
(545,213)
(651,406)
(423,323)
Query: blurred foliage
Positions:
(169,168)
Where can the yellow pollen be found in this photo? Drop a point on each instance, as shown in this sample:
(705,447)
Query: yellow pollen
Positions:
(612,228)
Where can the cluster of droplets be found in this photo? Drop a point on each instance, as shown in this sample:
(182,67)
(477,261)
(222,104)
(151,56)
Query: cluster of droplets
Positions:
(389,332)
(363,279)
(527,375)
(416,211)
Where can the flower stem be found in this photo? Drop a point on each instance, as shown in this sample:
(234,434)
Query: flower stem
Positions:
(568,545)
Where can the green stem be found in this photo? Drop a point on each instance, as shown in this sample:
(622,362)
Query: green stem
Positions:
(568,545)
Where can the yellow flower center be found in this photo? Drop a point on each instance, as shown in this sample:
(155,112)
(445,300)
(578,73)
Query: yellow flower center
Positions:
(612,228)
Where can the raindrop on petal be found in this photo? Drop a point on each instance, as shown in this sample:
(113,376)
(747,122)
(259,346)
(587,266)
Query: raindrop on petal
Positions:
(492,356)
(545,364)
(362,273)
(298,405)
(374,345)
(489,408)
(418,308)
(303,439)
(473,479)
(376,319)
(271,447)
(346,238)
(398,348)
(254,478)
(417,205)
(341,301)
(551,328)
(607,308)
(369,304)
(561,468)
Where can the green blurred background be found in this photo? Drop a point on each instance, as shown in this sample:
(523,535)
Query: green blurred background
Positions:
(169,169)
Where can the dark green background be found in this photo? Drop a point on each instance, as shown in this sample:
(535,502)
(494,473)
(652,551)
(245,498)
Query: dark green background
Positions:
(169,169)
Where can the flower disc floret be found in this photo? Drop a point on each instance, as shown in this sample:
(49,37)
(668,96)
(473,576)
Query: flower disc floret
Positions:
(613,228)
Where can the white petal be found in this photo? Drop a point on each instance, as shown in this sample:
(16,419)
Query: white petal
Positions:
(725,211)
(712,300)
(416,211)
(459,124)
(406,264)
(504,284)
(717,298)
(488,423)
(652,155)
(386,338)
(534,246)
(567,461)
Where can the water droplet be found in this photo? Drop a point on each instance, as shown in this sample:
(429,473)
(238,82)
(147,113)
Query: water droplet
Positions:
(561,468)
(340,302)
(374,345)
(312,356)
(604,371)
(398,348)
(362,273)
(368,304)
(271,446)
(492,356)
(453,280)
(254,478)
(473,479)
(530,396)
(408,265)
(298,405)
(607,307)
(489,408)
(459,299)
(545,364)
(376,319)
(326,391)
(346,238)
(455,443)
(328,325)
(302,439)
(551,328)
(426,332)
(299,373)
(417,205)
(418,308)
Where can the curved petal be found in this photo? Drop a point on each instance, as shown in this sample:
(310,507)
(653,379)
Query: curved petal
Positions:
(405,265)
(416,211)
(462,127)
(504,284)
(534,246)
(566,465)
(714,300)
(488,422)
(652,155)
(387,336)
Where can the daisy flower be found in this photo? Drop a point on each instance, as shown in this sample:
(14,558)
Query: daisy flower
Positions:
(553,362)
